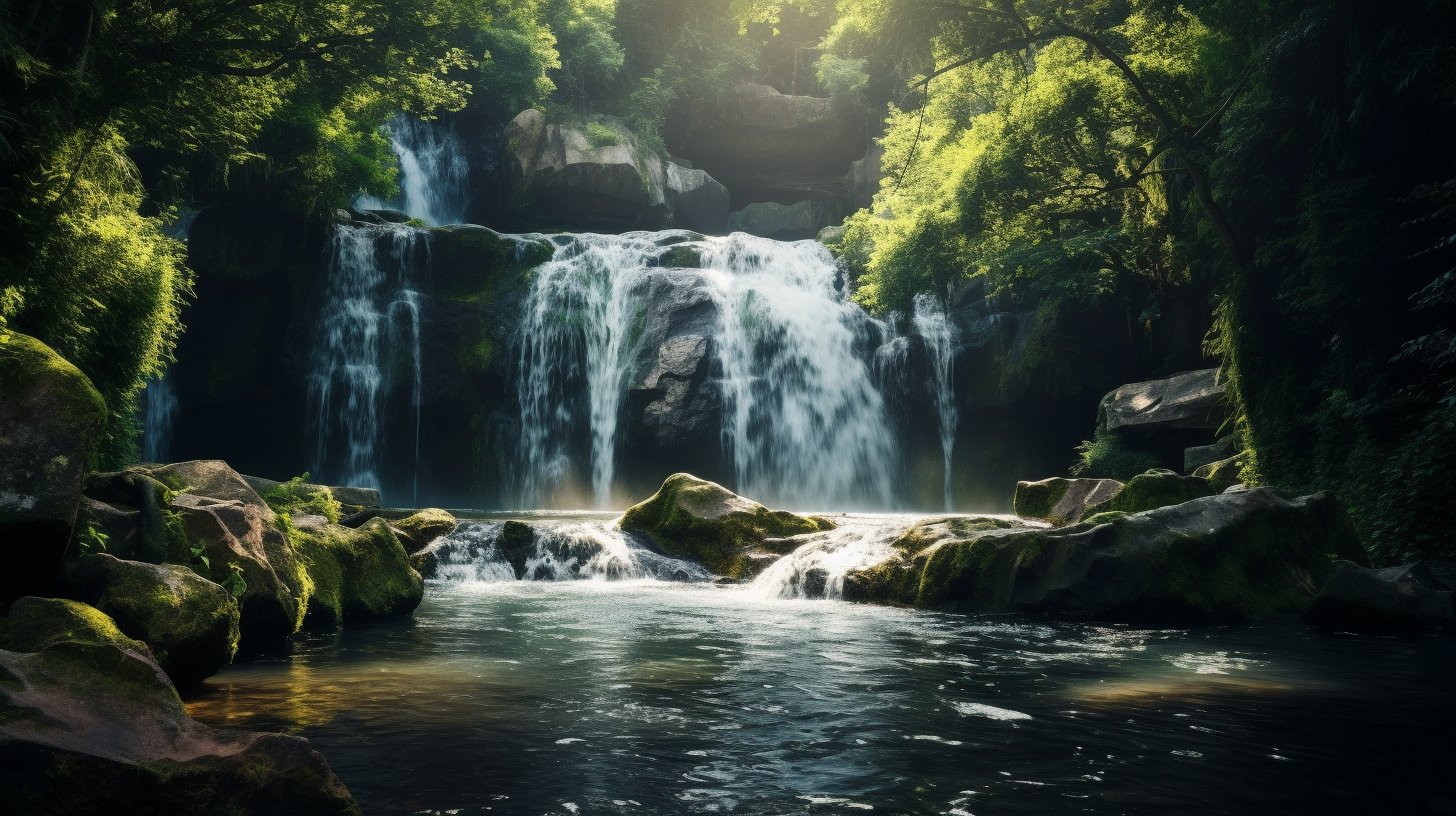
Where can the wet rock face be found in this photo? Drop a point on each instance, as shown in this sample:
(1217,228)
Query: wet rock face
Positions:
(51,419)
(93,726)
(1190,400)
(697,519)
(696,200)
(1411,596)
(1237,555)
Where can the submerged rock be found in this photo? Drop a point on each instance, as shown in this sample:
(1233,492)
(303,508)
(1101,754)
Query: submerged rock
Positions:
(89,724)
(357,574)
(190,623)
(1061,501)
(697,519)
(1412,595)
(1151,490)
(1237,555)
(51,418)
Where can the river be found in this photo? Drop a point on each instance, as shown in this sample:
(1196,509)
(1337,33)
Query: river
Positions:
(642,696)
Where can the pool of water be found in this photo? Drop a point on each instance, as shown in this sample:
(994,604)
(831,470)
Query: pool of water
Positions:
(646,697)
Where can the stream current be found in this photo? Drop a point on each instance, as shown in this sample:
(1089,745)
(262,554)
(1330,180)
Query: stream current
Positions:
(614,680)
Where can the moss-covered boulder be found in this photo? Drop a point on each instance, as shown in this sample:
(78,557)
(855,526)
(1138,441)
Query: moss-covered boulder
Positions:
(1224,473)
(90,724)
(51,418)
(189,622)
(692,518)
(356,574)
(1061,501)
(420,530)
(1151,490)
(1247,554)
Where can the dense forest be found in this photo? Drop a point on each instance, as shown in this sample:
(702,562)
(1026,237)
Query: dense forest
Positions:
(1275,172)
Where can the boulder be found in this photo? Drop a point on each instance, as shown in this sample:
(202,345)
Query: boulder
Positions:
(517,543)
(1151,490)
(1191,400)
(1061,501)
(418,531)
(1223,474)
(692,518)
(1412,596)
(211,478)
(357,574)
(1200,455)
(695,200)
(128,508)
(51,419)
(791,222)
(361,498)
(190,623)
(577,179)
(1248,554)
(89,724)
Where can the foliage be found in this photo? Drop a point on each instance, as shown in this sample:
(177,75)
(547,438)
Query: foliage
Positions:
(601,136)
(298,496)
(1109,456)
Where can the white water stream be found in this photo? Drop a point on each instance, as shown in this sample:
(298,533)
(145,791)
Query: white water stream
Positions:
(932,323)
(433,173)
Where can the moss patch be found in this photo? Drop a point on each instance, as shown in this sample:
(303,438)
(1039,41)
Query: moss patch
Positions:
(1154,489)
(356,574)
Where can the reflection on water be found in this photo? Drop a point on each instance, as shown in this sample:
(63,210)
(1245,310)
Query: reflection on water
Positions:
(650,698)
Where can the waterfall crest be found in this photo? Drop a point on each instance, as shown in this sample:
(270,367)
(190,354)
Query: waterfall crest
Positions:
(434,178)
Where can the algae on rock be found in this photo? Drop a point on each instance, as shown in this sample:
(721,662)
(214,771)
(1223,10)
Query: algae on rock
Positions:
(693,518)
(356,574)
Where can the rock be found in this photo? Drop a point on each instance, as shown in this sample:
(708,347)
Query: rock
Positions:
(1061,501)
(781,222)
(576,183)
(1241,555)
(426,563)
(517,543)
(1193,399)
(1196,457)
(211,478)
(128,508)
(190,623)
(390,216)
(1151,490)
(91,725)
(51,420)
(1414,595)
(418,531)
(1223,474)
(696,201)
(361,497)
(692,518)
(357,574)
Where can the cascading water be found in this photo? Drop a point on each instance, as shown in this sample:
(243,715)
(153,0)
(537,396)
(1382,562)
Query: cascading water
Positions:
(804,421)
(554,551)
(158,415)
(816,569)
(433,174)
(931,322)
(369,320)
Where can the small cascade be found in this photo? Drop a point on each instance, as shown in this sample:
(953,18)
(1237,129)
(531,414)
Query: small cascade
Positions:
(931,322)
(817,568)
(804,419)
(159,413)
(369,334)
(555,551)
(434,178)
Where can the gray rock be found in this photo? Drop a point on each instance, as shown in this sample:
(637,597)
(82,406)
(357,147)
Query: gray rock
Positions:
(51,419)
(696,200)
(1061,501)
(390,216)
(1414,595)
(1196,457)
(1193,399)
(781,222)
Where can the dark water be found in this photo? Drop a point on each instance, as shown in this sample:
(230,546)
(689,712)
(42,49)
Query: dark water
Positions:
(642,698)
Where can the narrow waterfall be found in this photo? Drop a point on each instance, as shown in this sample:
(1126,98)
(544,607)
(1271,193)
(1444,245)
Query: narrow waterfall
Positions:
(931,322)
(804,422)
(159,412)
(816,569)
(434,177)
(369,334)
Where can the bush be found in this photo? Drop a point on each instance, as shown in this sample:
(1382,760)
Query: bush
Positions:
(1109,456)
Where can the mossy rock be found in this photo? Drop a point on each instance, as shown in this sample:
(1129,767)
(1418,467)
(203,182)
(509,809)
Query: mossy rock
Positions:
(420,530)
(692,518)
(51,420)
(1225,473)
(1248,554)
(190,623)
(682,257)
(35,624)
(1154,489)
(356,574)
(1061,501)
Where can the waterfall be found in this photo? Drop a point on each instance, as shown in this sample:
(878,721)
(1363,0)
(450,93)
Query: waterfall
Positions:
(816,569)
(369,329)
(559,551)
(434,177)
(932,323)
(159,412)
(804,422)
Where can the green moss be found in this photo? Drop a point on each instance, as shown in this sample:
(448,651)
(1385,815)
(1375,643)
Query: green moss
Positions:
(1224,474)
(1104,518)
(356,574)
(602,136)
(1151,490)
(298,496)
(29,369)
(35,624)
(1109,456)
(1036,500)
(424,527)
